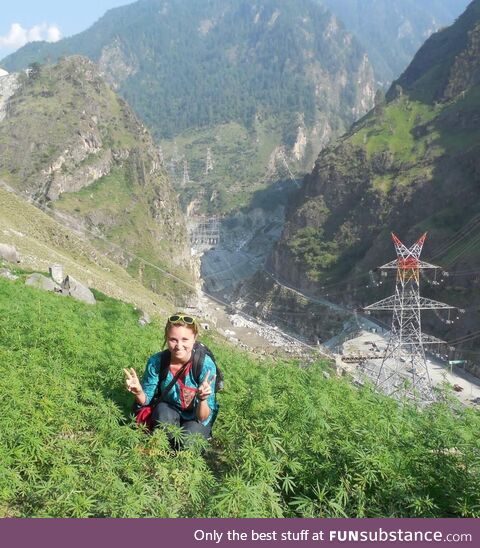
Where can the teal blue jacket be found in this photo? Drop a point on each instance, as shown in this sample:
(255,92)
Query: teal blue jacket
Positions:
(182,395)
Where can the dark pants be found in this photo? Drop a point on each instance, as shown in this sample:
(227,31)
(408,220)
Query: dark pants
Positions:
(165,414)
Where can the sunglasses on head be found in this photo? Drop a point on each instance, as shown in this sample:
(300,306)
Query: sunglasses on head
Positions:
(180,318)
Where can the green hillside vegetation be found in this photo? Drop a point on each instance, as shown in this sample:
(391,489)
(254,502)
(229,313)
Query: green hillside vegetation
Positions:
(53,101)
(115,196)
(410,166)
(414,132)
(289,441)
(238,155)
(408,162)
(390,128)
(464,136)
(310,249)
(392,153)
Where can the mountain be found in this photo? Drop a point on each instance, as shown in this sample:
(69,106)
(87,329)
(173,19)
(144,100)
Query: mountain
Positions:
(71,145)
(391,30)
(411,165)
(252,82)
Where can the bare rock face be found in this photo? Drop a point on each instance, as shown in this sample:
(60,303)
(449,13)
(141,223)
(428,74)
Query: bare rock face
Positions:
(144,318)
(9,253)
(8,85)
(56,273)
(59,180)
(67,286)
(42,282)
(77,290)
(115,65)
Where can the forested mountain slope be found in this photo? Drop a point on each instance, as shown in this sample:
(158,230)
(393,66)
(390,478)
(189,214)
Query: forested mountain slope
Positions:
(242,79)
(411,165)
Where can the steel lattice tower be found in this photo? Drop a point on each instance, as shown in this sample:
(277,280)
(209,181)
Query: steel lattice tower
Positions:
(404,369)
(209,162)
(161,156)
(204,232)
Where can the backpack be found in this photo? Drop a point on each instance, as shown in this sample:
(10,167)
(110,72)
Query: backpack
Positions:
(201,350)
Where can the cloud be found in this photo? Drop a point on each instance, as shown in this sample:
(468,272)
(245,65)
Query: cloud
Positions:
(53,34)
(17,36)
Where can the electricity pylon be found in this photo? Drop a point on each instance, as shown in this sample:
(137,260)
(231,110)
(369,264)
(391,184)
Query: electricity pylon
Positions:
(404,369)
(161,156)
(209,162)
(284,162)
(175,152)
(281,156)
(204,232)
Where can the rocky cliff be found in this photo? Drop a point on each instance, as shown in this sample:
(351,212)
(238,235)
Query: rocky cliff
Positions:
(69,143)
(392,31)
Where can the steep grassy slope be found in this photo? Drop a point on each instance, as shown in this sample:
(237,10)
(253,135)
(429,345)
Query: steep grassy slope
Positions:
(288,441)
(42,241)
(69,141)
(411,165)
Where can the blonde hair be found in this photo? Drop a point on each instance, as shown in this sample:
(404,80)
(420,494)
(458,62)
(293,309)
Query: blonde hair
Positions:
(193,326)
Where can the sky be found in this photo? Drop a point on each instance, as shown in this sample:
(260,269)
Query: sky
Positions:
(23,21)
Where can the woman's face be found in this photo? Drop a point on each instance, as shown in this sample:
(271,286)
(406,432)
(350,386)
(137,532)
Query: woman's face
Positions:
(180,341)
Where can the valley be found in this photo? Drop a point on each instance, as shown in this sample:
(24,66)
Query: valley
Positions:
(301,176)
(54,244)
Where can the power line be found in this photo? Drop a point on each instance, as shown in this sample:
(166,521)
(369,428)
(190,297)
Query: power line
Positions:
(457,237)
(465,338)
(319,302)
(467,247)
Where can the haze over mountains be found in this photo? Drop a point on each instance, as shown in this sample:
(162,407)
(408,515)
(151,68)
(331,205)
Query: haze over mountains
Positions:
(253,82)
(392,30)
(187,64)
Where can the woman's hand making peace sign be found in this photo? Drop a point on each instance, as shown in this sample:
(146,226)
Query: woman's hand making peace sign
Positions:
(132,382)
(205,389)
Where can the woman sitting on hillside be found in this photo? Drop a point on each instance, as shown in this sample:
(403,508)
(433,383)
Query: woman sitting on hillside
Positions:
(176,393)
